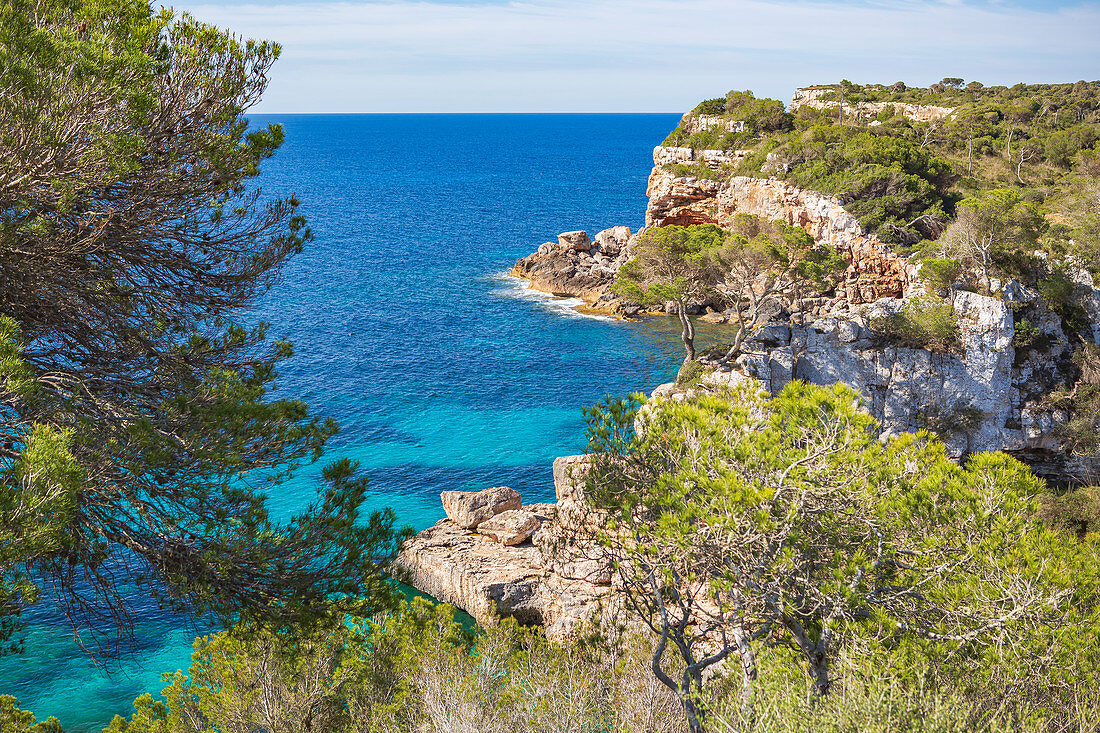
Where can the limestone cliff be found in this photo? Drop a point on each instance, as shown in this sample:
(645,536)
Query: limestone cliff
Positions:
(812,97)
(989,393)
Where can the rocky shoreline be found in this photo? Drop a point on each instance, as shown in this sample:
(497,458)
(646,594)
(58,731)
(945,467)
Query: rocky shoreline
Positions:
(493,556)
(476,559)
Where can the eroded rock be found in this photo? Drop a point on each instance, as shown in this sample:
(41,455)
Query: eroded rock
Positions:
(577,267)
(489,580)
(468,509)
(511,527)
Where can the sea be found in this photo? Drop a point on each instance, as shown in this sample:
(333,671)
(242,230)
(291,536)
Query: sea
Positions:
(442,371)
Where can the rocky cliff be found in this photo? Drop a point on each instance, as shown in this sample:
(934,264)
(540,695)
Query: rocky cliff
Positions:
(812,97)
(989,393)
(539,576)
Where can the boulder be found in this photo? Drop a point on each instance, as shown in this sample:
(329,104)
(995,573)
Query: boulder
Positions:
(570,473)
(577,241)
(511,527)
(611,241)
(468,509)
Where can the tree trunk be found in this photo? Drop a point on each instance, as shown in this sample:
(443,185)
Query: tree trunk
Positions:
(819,673)
(695,724)
(817,661)
(748,673)
(737,341)
(687,333)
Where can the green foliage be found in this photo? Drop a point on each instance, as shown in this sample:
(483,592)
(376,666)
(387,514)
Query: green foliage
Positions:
(889,183)
(1063,296)
(416,670)
(14,720)
(691,374)
(923,323)
(801,522)
(1081,432)
(903,178)
(701,171)
(946,421)
(671,263)
(1077,511)
(759,115)
(139,426)
(511,679)
(940,272)
(1025,335)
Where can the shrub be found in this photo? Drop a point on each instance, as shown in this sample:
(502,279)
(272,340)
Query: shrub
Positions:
(1076,511)
(940,272)
(924,323)
(692,373)
(1061,292)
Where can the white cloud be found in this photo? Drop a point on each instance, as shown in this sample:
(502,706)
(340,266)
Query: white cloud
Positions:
(608,55)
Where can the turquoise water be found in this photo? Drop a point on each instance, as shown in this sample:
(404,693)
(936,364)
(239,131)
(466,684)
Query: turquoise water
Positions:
(442,372)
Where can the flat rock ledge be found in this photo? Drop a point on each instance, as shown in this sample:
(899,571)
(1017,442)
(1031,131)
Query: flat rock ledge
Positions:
(488,578)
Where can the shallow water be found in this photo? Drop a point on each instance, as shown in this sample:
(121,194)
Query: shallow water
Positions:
(443,372)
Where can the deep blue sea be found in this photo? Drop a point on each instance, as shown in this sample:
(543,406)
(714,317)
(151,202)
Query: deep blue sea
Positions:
(443,372)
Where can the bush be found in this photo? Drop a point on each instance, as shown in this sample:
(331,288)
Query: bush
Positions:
(692,373)
(1076,511)
(940,272)
(924,323)
(1061,293)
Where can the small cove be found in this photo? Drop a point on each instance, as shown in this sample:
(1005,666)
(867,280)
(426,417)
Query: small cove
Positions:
(443,372)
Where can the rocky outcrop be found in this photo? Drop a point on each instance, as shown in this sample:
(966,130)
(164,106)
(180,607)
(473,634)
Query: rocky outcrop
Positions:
(987,394)
(714,159)
(811,97)
(983,396)
(693,123)
(548,578)
(511,527)
(578,267)
(468,509)
(874,271)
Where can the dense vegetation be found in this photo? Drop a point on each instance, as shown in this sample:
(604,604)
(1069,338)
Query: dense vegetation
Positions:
(999,183)
(752,269)
(137,425)
(903,178)
(859,586)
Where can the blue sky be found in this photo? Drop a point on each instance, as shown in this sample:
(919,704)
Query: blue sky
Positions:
(642,55)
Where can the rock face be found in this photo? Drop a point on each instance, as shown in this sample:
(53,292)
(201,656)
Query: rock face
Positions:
(983,397)
(875,271)
(468,509)
(694,123)
(715,159)
(546,578)
(987,394)
(810,97)
(579,267)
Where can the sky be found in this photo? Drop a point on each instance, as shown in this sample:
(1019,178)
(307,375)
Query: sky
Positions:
(642,55)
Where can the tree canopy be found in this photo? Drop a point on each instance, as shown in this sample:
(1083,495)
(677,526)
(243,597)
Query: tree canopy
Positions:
(138,426)
(736,521)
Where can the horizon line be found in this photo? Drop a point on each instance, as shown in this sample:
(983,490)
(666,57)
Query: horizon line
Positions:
(482,112)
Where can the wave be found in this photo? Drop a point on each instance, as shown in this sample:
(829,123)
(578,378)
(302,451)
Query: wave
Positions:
(516,288)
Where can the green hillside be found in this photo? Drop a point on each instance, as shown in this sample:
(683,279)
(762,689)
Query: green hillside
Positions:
(902,177)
